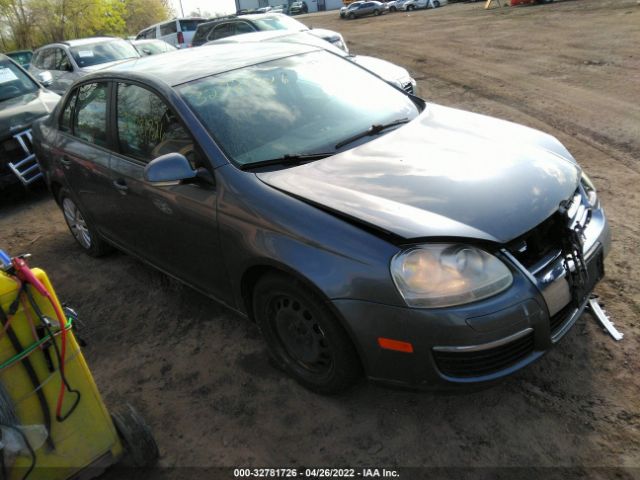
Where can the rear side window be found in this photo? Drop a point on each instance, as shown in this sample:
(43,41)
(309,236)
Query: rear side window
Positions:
(147,128)
(67,113)
(90,120)
(168,28)
(243,27)
(189,25)
(201,34)
(222,31)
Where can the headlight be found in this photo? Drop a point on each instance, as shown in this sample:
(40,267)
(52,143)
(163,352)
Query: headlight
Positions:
(441,275)
(589,189)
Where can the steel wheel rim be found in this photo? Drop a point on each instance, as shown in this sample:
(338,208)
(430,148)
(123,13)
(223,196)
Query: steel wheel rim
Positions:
(76,222)
(300,335)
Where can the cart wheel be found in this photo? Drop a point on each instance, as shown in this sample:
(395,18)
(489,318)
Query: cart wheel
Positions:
(140,447)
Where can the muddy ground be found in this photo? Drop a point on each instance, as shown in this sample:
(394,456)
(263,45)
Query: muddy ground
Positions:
(199,372)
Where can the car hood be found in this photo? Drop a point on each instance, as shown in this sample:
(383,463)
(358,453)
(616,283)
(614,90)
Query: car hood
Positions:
(18,113)
(448,173)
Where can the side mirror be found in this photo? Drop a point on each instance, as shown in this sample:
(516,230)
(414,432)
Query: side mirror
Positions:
(146,51)
(45,78)
(169,169)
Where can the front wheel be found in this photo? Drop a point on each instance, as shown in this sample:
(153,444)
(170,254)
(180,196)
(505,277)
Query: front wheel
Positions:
(303,336)
(393,9)
(376,12)
(411,8)
(436,4)
(80,228)
(352,16)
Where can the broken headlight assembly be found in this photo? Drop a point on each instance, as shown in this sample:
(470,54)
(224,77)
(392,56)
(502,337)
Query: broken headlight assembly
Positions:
(442,275)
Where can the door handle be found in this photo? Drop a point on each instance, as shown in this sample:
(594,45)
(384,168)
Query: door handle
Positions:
(121,185)
(66,161)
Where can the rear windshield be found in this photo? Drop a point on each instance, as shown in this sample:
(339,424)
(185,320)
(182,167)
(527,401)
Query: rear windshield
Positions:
(103,52)
(23,58)
(14,82)
(190,25)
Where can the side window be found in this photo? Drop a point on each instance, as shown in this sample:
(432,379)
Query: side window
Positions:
(151,33)
(49,59)
(37,60)
(67,113)
(221,31)
(90,120)
(147,128)
(168,28)
(243,27)
(61,60)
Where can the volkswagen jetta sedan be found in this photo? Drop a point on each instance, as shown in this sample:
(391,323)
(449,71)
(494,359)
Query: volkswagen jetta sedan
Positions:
(360,227)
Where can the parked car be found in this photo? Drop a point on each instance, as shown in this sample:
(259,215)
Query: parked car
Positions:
(362,9)
(297,8)
(361,228)
(70,60)
(177,32)
(229,26)
(21,57)
(152,47)
(22,100)
(389,72)
(415,4)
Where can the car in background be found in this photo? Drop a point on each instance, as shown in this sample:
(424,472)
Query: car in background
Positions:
(298,8)
(152,47)
(362,9)
(393,74)
(410,5)
(177,32)
(70,60)
(22,101)
(230,26)
(361,228)
(21,57)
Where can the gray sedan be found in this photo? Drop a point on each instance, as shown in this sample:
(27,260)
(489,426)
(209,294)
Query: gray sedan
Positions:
(362,9)
(361,228)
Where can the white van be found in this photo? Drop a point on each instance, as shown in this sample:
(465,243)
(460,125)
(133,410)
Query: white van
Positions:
(177,32)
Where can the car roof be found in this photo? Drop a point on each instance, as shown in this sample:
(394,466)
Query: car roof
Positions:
(79,42)
(180,66)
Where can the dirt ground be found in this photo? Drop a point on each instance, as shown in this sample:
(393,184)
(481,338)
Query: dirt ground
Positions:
(199,373)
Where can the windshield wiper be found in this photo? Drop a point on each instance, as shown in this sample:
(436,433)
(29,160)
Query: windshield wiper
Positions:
(286,160)
(372,130)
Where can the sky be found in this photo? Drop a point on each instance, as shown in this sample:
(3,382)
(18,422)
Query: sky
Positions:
(211,6)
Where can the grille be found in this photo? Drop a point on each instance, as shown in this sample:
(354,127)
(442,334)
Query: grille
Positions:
(484,362)
(408,87)
(21,159)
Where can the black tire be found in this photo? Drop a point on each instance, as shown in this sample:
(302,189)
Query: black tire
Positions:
(83,232)
(376,12)
(436,4)
(140,448)
(352,16)
(411,8)
(393,9)
(303,336)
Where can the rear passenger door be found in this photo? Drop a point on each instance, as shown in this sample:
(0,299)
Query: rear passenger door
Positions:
(175,227)
(83,153)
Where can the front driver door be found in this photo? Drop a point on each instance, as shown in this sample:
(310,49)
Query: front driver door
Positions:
(174,227)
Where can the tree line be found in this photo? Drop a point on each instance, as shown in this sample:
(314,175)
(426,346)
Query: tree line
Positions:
(27,24)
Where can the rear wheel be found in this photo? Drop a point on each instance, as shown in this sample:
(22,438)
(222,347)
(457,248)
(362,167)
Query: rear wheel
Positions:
(436,4)
(303,336)
(393,9)
(80,228)
(140,448)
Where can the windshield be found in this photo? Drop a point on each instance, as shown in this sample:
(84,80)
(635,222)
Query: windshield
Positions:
(103,52)
(14,82)
(279,22)
(291,106)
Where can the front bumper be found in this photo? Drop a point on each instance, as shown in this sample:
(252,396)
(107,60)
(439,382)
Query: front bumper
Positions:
(482,342)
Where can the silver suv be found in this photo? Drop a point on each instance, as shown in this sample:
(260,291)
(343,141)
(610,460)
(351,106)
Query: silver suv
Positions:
(72,59)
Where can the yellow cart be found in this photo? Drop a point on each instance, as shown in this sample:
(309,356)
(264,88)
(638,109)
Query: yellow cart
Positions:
(54,424)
